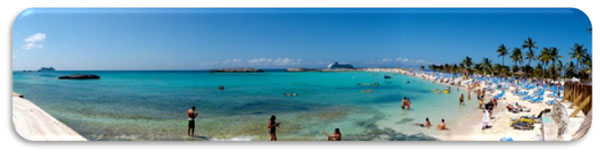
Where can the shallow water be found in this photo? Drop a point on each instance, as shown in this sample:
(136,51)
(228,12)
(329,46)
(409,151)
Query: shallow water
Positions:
(151,105)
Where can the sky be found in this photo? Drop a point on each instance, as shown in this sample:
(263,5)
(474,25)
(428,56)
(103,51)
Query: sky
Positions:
(209,38)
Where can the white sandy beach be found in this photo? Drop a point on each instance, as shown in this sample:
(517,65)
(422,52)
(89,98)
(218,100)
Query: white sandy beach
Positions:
(470,129)
(34,124)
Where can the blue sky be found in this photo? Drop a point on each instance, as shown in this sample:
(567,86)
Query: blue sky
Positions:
(165,39)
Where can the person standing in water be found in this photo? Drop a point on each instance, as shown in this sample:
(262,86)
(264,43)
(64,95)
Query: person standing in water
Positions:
(461,99)
(407,104)
(337,136)
(191,113)
(469,95)
(272,126)
(403,102)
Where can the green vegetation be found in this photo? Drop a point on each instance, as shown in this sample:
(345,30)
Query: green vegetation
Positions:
(549,63)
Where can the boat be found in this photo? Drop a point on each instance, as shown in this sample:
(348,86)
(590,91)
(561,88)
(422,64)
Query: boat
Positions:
(387,77)
(336,65)
(46,69)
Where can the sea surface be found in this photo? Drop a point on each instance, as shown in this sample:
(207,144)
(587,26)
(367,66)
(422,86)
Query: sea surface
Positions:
(152,105)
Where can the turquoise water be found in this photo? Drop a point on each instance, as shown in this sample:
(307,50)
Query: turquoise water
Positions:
(151,105)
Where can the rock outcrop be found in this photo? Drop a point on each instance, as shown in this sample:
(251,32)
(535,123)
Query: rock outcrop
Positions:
(79,77)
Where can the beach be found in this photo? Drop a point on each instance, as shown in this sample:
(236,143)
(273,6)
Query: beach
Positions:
(470,128)
(322,101)
(34,124)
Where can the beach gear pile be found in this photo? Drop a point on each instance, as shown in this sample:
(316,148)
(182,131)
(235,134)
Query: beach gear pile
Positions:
(523,123)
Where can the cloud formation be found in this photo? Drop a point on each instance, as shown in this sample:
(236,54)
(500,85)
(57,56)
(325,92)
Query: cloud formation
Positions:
(402,60)
(274,62)
(34,41)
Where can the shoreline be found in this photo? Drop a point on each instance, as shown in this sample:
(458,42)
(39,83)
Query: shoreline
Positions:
(45,127)
(34,124)
(469,129)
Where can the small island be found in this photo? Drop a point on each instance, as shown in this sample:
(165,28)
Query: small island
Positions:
(79,77)
(237,70)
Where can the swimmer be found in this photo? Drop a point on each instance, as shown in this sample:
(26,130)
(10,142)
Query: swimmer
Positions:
(427,123)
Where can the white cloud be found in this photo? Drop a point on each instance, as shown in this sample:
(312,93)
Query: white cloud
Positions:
(34,41)
(386,60)
(274,62)
(36,37)
(400,60)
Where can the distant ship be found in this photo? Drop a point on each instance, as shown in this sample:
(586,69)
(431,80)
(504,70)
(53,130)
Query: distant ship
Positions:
(46,69)
(337,65)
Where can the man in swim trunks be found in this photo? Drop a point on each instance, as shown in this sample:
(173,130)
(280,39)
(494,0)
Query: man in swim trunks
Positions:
(191,113)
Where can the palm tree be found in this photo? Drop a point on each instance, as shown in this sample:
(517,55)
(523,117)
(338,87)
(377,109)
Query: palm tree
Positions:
(502,51)
(578,53)
(517,58)
(544,58)
(529,44)
(554,56)
(468,62)
(486,64)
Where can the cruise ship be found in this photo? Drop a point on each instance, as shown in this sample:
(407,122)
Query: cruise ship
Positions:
(337,65)
(46,69)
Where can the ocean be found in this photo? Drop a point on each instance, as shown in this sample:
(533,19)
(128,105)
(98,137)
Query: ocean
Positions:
(152,105)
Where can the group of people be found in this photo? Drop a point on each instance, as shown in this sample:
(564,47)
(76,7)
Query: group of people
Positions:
(271,125)
(427,124)
(405,103)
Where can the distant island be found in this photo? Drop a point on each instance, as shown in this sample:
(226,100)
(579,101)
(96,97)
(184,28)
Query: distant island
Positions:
(43,69)
(236,70)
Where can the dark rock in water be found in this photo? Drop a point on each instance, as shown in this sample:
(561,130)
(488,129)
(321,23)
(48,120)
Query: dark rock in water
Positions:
(79,76)
(236,70)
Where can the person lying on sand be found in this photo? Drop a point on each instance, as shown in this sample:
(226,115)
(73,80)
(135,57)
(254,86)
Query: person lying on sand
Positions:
(427,123)
(337,136)
(442,126)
